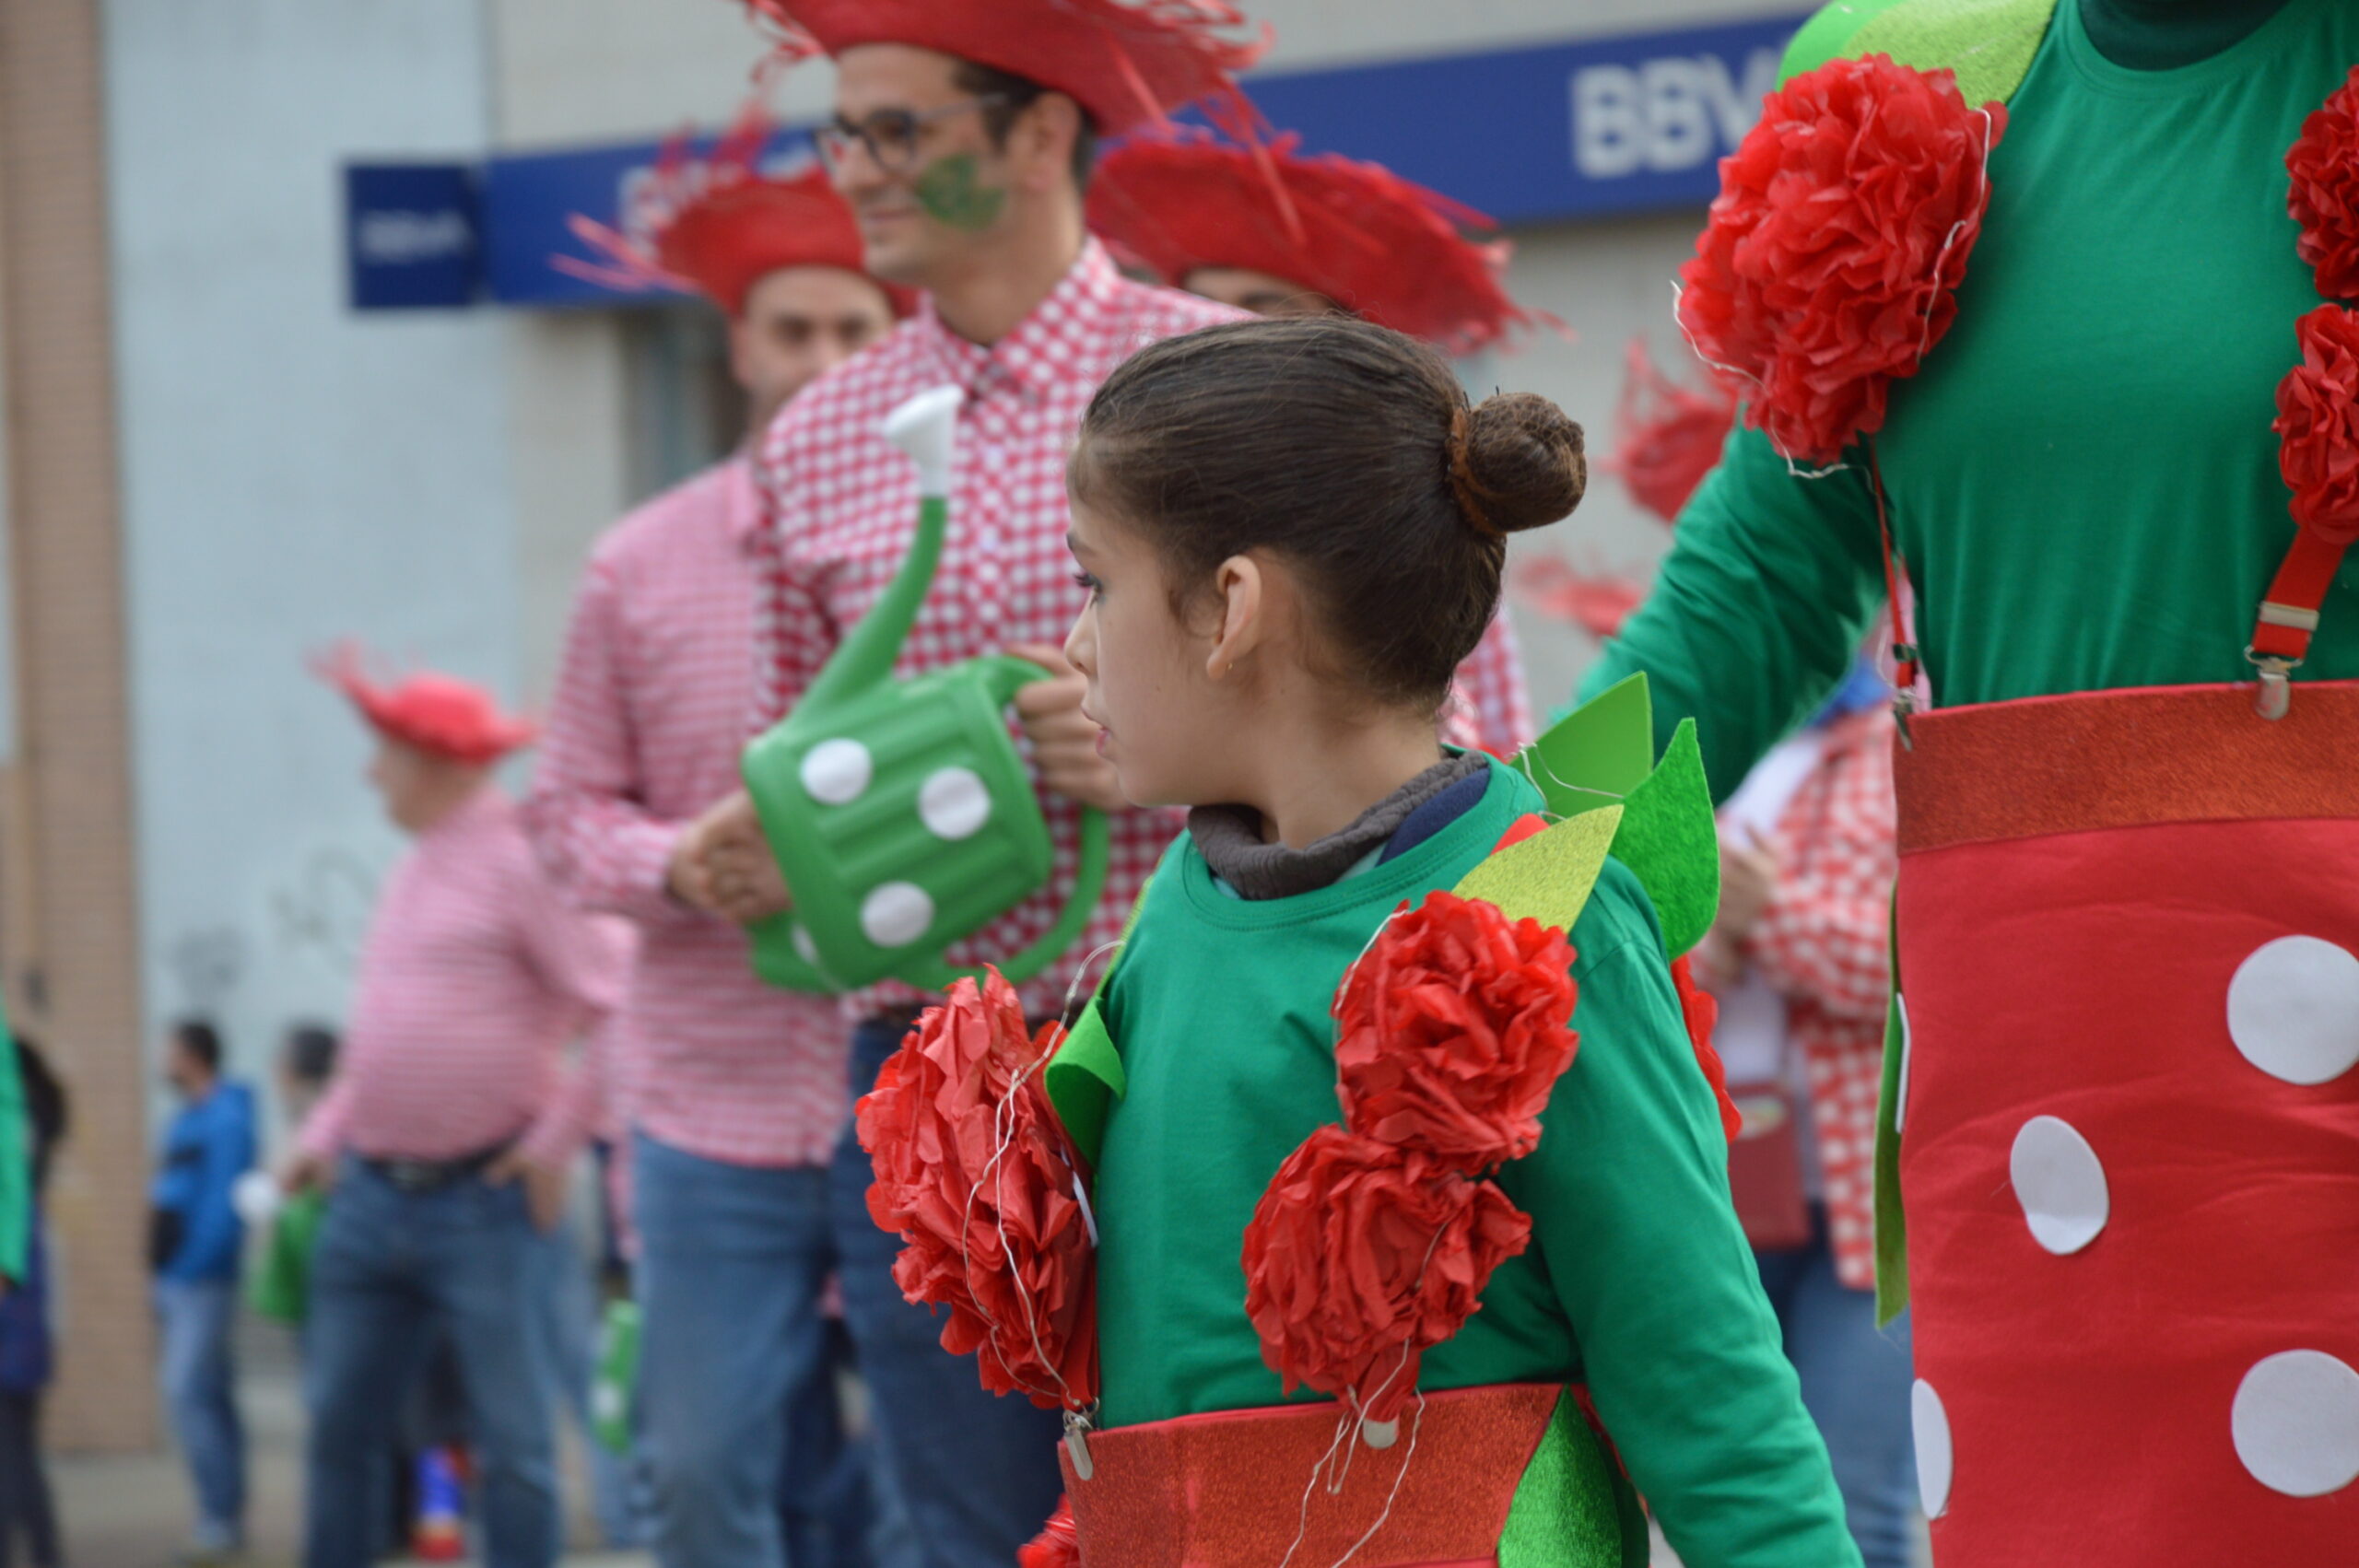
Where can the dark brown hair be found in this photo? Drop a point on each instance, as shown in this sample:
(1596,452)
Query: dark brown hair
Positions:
(1014,95)
(1347,451)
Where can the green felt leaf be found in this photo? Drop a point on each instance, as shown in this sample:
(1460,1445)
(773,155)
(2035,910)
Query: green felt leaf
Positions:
(1990,43)
(1668,839)
(1597,752)
(1548,877)
(1084,1079)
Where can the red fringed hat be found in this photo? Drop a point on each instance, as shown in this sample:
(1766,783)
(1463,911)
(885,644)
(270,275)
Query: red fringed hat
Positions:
(716,225)
(440,714)
(1667,436)
(1387,250)
(1127,63)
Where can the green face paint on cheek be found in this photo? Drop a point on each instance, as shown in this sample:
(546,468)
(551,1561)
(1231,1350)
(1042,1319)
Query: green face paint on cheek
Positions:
(947,189)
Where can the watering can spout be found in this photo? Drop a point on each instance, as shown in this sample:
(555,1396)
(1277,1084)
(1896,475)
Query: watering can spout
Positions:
(926,428)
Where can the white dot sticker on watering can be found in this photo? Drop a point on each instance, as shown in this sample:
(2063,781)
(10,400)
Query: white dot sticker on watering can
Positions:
(835,773)
(897,913)
(953,802)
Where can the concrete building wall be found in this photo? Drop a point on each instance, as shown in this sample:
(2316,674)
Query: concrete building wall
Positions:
(293,473)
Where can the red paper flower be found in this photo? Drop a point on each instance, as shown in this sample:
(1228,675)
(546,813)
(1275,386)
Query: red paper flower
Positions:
(1700,1011)
(2318,424)
(1455,1025)
(2324,164)
(1829,263)
(974,1173)
(1666,436)
(1057,1546)
(1598,602)
(1361,1256)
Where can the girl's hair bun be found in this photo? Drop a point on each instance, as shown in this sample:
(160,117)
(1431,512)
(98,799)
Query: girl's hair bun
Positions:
(1516,462)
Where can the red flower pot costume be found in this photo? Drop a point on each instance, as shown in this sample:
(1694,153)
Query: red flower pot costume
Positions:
(2121,1119)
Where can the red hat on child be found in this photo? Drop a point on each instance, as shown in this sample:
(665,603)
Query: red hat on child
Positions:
(716,225)
(1384,249)
(440,714)
(1127,63)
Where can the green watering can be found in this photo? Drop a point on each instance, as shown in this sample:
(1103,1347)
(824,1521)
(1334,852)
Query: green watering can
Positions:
(900,812)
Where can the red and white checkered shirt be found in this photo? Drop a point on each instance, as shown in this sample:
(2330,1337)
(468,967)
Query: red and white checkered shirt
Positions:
(644,733)
(1825,942)
(475,976)
(844,502)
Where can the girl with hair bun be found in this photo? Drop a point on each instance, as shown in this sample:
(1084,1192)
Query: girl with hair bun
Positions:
(1502,1295)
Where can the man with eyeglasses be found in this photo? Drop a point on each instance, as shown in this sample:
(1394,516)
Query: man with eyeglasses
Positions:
(962,138)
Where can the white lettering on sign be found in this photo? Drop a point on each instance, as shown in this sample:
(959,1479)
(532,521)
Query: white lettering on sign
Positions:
(398,238)
(1663,115)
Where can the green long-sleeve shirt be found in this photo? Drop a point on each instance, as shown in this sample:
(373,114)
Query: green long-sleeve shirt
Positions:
(1638,1281)
(2083,479)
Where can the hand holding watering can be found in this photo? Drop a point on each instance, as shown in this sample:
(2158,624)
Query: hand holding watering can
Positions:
(899,812)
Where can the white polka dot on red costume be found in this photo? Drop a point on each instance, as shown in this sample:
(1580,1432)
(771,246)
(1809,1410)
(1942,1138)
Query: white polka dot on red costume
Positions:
(953,802)
(2060,1183)
(2295,1423)
(836,772)
(2294,1008)
(1935,1459)
(897,913)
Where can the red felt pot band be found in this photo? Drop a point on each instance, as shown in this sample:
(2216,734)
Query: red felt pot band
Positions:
(2092,760)
(1228,1489)
(2290,613)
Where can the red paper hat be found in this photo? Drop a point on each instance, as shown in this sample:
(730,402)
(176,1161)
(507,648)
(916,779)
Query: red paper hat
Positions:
(716,226)
(1667,437)
(1389,250)
(1127,63)
(440,714)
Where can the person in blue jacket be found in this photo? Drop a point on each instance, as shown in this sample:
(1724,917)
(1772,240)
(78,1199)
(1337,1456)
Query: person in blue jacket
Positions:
(194,1241)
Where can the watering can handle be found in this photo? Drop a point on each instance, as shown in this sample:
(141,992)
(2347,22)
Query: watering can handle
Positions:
(1006,673)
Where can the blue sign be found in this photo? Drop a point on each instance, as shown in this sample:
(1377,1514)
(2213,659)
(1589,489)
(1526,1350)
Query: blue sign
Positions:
(529,202)
(1600,128)
(410,236)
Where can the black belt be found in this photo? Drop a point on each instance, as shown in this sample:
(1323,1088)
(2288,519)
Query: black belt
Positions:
(432,1175)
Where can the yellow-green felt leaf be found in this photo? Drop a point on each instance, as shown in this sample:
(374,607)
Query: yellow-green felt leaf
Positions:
(1548,876)
(1084,1079)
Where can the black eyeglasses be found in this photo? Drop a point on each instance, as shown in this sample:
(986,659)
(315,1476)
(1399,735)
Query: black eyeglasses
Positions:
(890,135)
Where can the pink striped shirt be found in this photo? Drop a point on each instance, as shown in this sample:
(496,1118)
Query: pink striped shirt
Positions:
(475,977)
(644,733)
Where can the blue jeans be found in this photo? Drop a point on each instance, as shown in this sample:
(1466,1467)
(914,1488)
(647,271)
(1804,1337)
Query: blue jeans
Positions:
(200,1393)
(1855,1381)
(390,1268)
(737,1394)
(976,1474)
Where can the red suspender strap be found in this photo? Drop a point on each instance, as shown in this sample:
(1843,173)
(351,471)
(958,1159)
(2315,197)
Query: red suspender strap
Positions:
(2289,614)
(1905,663)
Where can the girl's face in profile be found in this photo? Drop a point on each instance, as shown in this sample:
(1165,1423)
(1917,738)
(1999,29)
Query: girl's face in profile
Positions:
(1168,728)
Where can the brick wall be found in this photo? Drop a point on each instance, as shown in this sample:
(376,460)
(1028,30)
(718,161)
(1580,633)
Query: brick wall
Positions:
(73,965)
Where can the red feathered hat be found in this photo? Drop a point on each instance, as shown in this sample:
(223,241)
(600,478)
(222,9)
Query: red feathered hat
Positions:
(1666,436)
(1387,250)
(1127,63)
(717,225)
(440,714)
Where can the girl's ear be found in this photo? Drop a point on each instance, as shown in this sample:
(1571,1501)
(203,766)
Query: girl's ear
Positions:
(1244,621)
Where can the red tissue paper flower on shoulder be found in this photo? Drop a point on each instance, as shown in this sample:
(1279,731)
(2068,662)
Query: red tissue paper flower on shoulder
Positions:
(1830,261)
(1059,1543)
(1700,1011)
(975,1174)
(1666,436)
(2317,425)
(1361,1256)
(1455,1025)
(2324,199)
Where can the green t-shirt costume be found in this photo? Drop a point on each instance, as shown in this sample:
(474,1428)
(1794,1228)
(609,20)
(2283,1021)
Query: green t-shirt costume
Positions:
(2082,476)
(1638,1281)
(15,1162)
